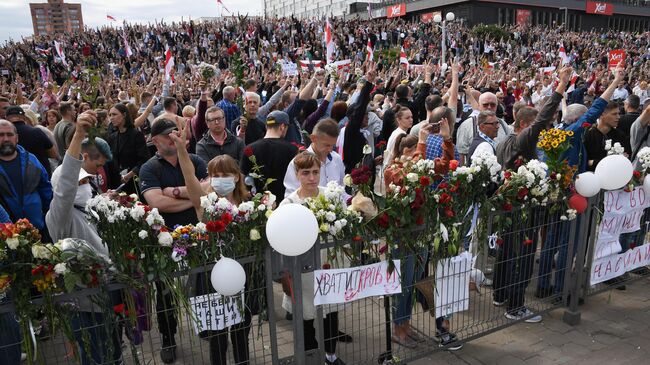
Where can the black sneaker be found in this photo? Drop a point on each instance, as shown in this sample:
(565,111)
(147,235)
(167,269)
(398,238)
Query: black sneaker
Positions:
(168,351)
(544,292)
(450,342)
(335,362)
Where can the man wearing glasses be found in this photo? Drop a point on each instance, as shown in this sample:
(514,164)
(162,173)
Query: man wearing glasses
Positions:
(469,129)
(484,141)
(219,140)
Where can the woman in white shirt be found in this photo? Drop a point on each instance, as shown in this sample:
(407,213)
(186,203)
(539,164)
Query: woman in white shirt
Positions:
(404,119)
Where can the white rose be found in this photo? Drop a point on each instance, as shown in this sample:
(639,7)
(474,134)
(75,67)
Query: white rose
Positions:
(412,177)
(261,207)
(254,235)
(330,216)
(367,150)
(61,268)
(137,212)
(165,239)
(200,228)
(143,234)
(13,243)
(40,252)
(347,180)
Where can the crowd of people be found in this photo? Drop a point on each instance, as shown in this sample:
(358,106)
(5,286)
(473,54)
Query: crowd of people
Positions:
(175,136)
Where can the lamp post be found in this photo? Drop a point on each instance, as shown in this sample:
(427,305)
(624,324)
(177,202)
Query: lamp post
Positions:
(566,17)
(443,26)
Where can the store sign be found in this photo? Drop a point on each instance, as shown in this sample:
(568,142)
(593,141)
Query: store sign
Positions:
(616,56)
(523,16)
(600,8)
(428,17)
(394,11)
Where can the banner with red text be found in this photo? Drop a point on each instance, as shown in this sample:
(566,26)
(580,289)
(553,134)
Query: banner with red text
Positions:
(346,285)
(599,7)
(616,56)
(395,10)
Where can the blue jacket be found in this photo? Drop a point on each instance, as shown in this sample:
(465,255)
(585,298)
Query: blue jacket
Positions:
(37,190)
(576,154)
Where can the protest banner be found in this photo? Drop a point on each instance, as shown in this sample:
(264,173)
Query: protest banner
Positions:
(289,68)
(214,312)
(614,266)
(346,285)
(616,56)
(452,284)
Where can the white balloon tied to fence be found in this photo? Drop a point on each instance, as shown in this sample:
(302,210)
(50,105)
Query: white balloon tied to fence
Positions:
(292,229)
(588,184)
(228,277)
(614,172)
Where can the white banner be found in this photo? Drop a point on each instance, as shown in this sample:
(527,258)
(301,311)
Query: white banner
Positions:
(616,265)
(215,312)
(289,68)
(452,284)
(346,285)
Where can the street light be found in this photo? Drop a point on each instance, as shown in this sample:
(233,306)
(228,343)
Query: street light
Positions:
(449,17)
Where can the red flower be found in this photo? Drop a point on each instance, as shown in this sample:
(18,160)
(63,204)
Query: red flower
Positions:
(119,308)
(519,162)
(362,175)
(327,266)
(418,202)
(499,242)
(453,165)
(425,181)
(522,193)
(507,175)
(383,220)
(248,151)
(226,218)
(380,145)
(443,185)
(553,175)
(507,207)
(356,238)
(164,229)
(130,256)
(215,226)
(444,198)
(586,125)
(449,213)
(420,220)
(528,242)
(37,270)
(636,174)
(454,188)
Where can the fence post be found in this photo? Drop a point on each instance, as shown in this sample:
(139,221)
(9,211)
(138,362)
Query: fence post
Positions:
(296,306)
(318,316)
(270,305)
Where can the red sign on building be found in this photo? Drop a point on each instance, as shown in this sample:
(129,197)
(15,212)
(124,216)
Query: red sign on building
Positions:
(601,8)
(394,11)
(523,16)
(428,17)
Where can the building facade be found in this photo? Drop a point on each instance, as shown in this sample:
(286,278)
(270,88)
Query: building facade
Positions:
(307,8)
(55,16)
(624,15)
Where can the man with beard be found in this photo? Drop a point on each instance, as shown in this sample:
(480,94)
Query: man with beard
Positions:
(25,190)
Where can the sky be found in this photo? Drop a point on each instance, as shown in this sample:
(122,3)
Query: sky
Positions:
(17,21)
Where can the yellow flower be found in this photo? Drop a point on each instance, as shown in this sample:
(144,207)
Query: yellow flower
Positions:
(554,144)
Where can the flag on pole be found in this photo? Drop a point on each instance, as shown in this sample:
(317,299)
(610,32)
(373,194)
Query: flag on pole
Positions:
(402,57)
(169,65)
(224,7)
(329,42)
(59,51)
(563,55)
(371,52)
(111,18)
(42,51)
(572,82)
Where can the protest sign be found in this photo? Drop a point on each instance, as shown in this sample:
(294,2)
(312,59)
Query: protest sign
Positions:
(614,266)
(289,68)
(616,56)
(452,284)
(346,285)
(215,312)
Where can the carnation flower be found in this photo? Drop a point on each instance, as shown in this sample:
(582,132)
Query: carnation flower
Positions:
(254,235)
(143,234)
(61,268)
(165,239)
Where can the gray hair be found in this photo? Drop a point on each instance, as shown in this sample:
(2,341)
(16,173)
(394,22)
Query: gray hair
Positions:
(484,115)
(228,90)
(253,95)
(573,112)
(6,123)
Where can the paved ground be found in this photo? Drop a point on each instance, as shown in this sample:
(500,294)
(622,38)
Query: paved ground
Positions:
(613,330)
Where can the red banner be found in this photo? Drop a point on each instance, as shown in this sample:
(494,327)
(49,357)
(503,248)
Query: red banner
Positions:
(616,56)
(428,17)
(601,8)
(523,16)
(394,11)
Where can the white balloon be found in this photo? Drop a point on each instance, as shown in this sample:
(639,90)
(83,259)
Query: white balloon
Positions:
(588,184)
(646,184)
(228,277)
(292,229)
(614,171)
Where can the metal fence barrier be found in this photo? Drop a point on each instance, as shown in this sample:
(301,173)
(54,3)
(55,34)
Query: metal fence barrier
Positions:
(533,262)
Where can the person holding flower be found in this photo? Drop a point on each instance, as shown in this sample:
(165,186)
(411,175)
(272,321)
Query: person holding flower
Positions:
(227,181)
(307,168)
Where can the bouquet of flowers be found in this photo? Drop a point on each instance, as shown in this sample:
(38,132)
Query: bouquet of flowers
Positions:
(554,142)
(529,184)
(207,71)
(333,217)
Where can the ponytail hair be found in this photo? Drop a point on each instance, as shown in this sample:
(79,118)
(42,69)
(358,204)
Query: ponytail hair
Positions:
(402,142)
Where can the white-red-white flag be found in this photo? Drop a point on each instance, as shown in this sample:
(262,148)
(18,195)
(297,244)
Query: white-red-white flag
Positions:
(169,65)
(224,7)
(563,55)
(402,57)
(371,52)
(59,51)
(111,18)
(572,82)
(330,48)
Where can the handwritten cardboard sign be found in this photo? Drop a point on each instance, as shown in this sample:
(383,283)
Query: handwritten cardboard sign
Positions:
(613,266)
(215,312)
(452,284)
(346,285)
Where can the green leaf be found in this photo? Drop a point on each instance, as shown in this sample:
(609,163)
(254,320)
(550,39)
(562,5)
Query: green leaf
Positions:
(70,281)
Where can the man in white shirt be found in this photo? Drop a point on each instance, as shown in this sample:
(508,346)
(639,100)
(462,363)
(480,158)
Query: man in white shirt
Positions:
(323,140)
(641,91)
(620,93)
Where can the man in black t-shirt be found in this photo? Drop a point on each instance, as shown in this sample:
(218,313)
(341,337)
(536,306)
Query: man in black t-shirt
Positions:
(632,112)
(163,187)
(596,137)
(272,155)
(34,140)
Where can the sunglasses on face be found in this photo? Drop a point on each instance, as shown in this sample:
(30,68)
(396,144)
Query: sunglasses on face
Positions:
(489,105)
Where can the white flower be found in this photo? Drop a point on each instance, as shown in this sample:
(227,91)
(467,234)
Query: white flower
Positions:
(200,228)
(205,202)
(137,212)
(165,239)
(367,150)
(412,177)
(143,234)
(133,196)
(41,252)
(61,268)
(261,207)
(347,180)
(254,235)
(330,216)
(13,243)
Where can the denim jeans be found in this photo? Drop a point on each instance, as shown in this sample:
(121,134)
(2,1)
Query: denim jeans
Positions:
(412,268)
(100,338)
(10,339)
(557,240)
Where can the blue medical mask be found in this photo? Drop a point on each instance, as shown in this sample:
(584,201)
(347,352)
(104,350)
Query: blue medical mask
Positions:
(223,185)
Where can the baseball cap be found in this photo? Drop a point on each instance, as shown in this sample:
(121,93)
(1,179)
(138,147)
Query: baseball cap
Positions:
(163,126)
(102,146)
(56,176)
(14,110)
(277,117)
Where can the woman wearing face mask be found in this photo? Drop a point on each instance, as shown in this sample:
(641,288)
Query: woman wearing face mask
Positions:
(227,181)
(67,219)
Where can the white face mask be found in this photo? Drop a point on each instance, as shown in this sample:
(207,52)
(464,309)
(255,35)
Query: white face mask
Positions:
(223,185)
(84,193)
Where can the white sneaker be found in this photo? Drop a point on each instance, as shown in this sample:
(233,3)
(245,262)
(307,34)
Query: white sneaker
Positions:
(524,313)
(23,356)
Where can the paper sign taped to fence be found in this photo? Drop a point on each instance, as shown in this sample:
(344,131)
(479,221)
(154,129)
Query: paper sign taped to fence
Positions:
(451,294)
(215,312)
(346,285)
(614,266)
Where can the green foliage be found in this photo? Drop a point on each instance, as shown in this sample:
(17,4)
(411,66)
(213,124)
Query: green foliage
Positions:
(492,31)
